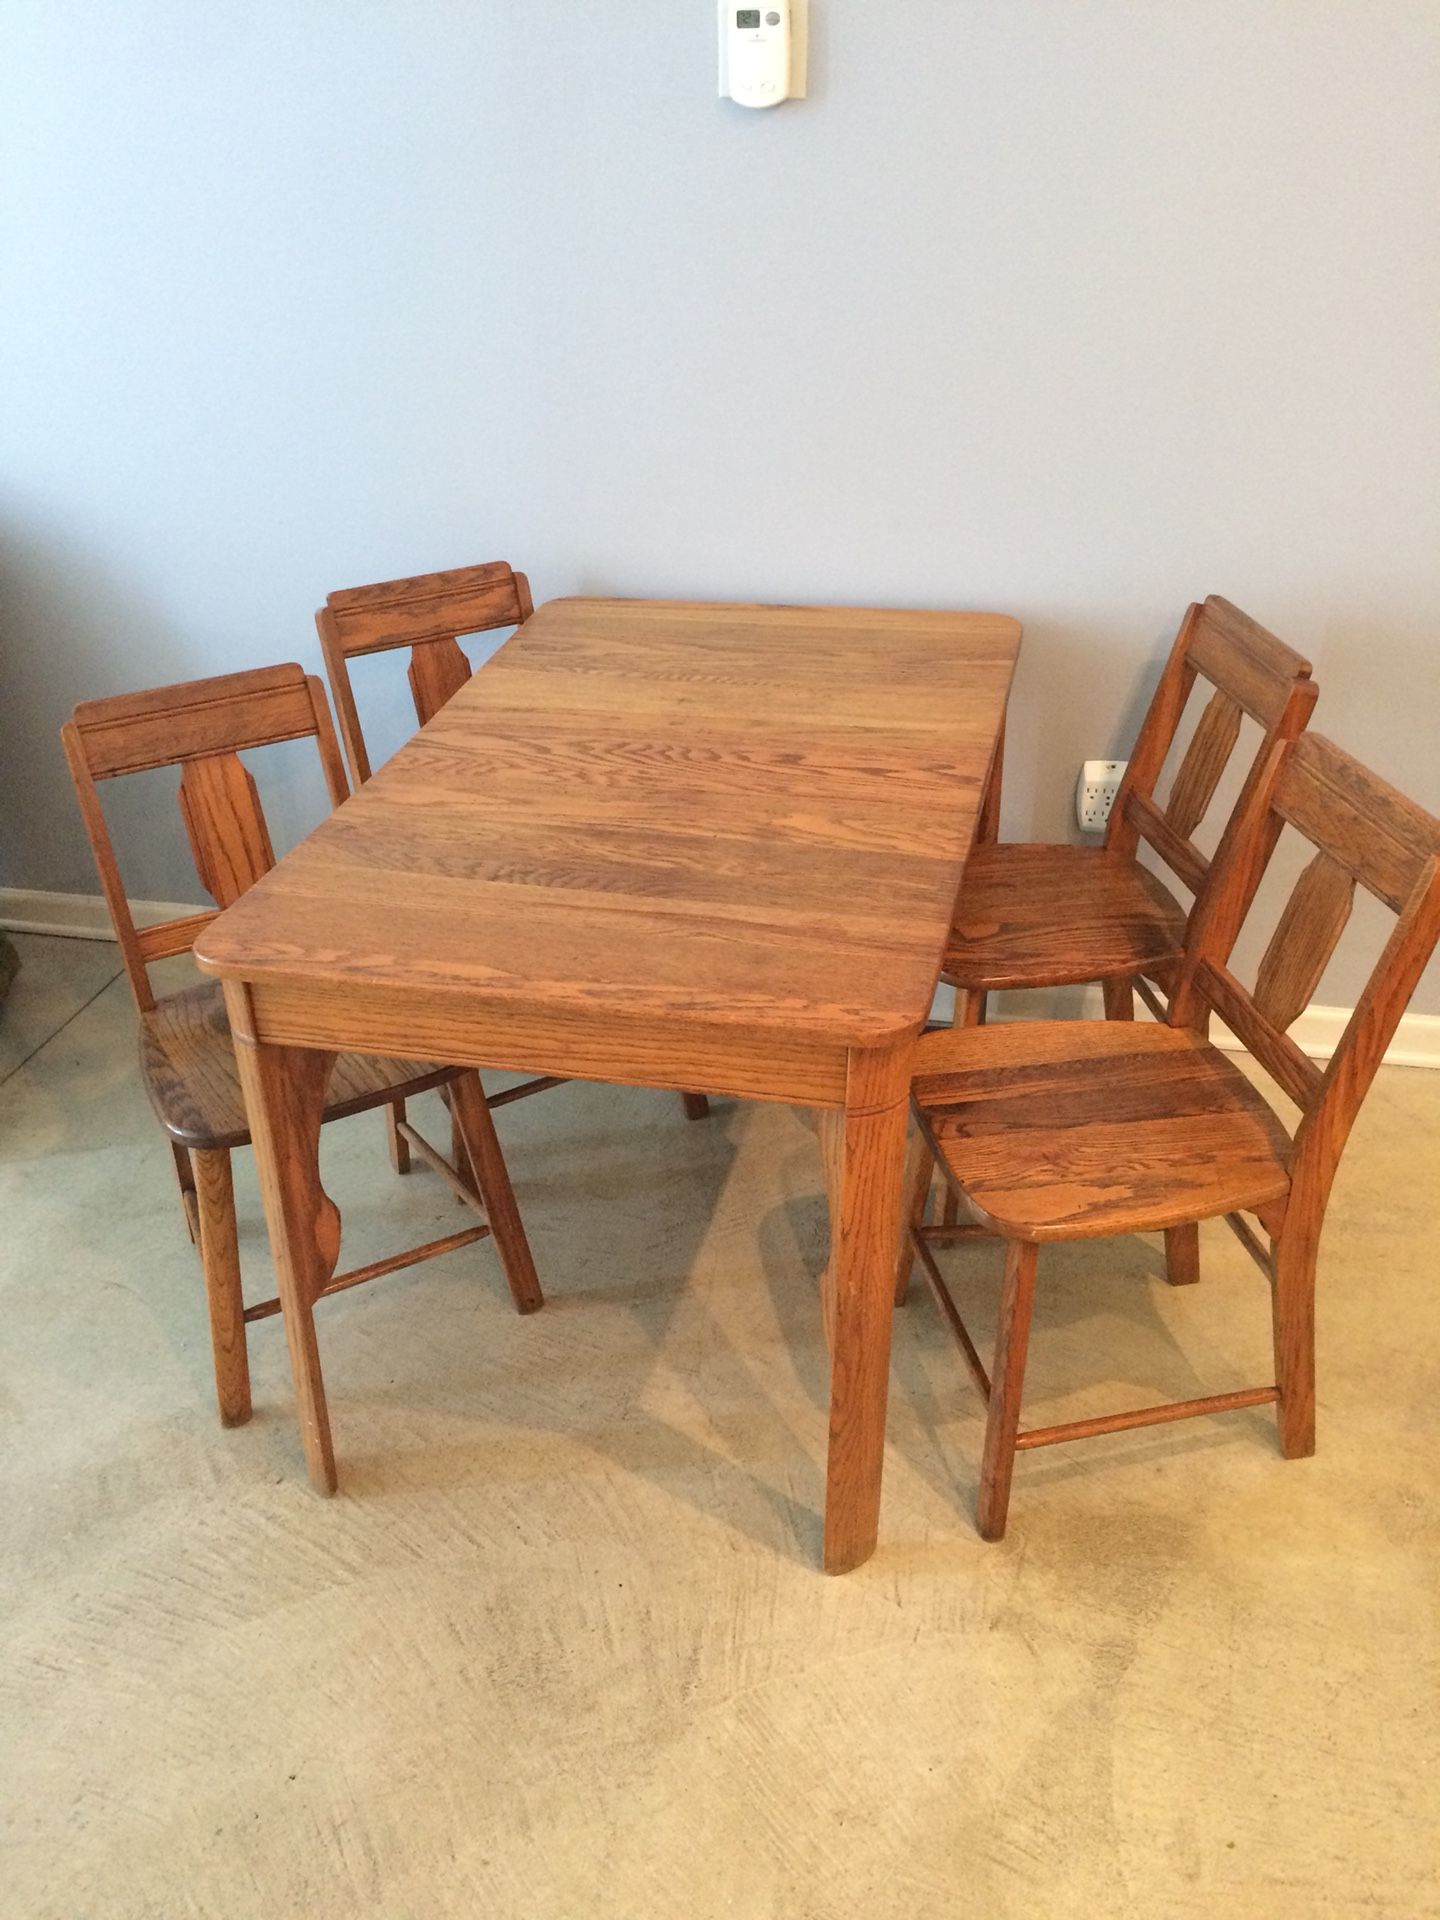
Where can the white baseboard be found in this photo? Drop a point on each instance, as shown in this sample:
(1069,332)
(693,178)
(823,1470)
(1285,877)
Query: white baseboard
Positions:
(1416,1042)
(1316,1032)
(78,916)
(83,916)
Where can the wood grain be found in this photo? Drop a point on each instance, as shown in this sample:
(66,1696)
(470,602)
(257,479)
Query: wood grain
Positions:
(607,1043)
(482,1146)
(753,816)
(1050,916)
(162,726)
(187,1060)
(868,1163)
(1292,1070)
(285,1096)
(426,613)
(987,827)
(1101,910)
(187,1055)
(1007,1378)
(220,1258)
(1182,1254)
(187,725)
(673,844)
(1229,649)
(1063,1130)
(1181,856)
(1305,937)
(1205,760)
(428,606)
(1060,1131)
(1384,839)
(436,673)
(220,805)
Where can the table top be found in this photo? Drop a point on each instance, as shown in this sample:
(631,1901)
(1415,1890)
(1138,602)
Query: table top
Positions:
(745,816)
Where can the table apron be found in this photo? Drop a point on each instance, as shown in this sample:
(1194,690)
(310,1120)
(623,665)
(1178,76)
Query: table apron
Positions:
(796,1069)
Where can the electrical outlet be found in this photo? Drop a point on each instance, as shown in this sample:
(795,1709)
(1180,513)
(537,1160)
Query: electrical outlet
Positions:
(1095,793)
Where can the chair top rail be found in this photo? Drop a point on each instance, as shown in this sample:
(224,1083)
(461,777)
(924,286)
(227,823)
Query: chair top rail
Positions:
(401,613)
(1361,821)
(132,733)
(1245,660)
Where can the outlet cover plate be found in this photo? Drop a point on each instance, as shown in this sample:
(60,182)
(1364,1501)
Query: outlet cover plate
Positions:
(1095,793)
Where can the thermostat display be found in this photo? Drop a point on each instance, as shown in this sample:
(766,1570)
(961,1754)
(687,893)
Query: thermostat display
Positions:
(755,53)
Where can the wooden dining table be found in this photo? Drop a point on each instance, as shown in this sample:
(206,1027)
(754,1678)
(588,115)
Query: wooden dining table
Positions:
(660,843)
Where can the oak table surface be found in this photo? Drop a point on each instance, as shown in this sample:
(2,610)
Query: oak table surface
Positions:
(663,843)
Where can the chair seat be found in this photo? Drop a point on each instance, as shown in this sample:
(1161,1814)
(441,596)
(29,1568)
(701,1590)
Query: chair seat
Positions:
(1042,916)
(1070,1129)
(188,1062)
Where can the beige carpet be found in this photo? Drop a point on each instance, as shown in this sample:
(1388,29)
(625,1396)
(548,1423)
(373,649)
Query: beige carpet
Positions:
(560,1648)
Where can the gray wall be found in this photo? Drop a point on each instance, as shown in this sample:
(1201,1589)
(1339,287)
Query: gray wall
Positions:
(1076,310)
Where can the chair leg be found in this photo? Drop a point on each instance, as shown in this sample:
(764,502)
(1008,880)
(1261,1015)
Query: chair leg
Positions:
(970,1009)
(1293,1312)
(919,1175)
(185,1175)
(970,1005)
(480,1147)
(1182,1254)
(1119,998)
(220,1258)
(1006,1380)
(398,1144)
(697,1107)
(459,1152)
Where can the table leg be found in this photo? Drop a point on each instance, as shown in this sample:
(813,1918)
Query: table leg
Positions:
(865,1159)
(285,1099)
(832,1158)
(987,825)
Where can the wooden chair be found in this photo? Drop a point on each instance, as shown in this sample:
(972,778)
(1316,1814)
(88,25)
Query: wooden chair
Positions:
(187,1057)
(1056,916)
(1068,1130)
(427,614)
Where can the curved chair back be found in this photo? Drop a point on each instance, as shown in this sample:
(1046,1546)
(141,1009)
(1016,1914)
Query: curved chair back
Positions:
(427,614)
(201,726)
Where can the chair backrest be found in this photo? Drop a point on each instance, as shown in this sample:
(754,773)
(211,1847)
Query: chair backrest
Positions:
(426,614)
(1362,831)
(202,727)
(1249,672)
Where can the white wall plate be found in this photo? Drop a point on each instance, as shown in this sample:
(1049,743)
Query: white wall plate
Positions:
(799,47)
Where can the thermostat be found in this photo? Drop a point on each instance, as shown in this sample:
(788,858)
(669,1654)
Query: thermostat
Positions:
(762,52)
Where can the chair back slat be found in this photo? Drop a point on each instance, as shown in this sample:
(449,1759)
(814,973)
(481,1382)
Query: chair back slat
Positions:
(220,805)
(426,613)
(201,726)
(1363,832)
(436,674)
(1305,936)
(1205,761)
(1248,671)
